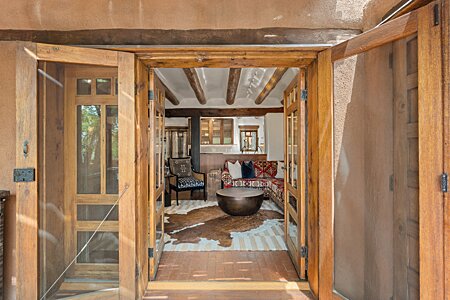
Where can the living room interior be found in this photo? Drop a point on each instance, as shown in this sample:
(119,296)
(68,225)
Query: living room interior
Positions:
(226,125)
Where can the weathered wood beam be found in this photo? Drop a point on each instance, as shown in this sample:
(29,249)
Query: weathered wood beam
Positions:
(271,84)
(170,95)
(233,81)
(261,36)
(194,81)
(227,112)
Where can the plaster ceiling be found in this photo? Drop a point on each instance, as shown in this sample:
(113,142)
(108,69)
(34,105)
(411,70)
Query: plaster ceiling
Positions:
(214,82)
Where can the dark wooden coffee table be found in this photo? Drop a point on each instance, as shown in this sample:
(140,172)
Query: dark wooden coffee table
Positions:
(240,201)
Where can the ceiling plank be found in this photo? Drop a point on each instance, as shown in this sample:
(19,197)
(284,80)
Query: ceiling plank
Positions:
(271,84)
(170,95)
(227,112)
(233,82)
(192,77)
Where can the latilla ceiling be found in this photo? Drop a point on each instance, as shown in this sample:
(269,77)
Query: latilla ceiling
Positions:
(214,82)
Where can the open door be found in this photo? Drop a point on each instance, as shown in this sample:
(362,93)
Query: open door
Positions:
(156,171)
(77,225)
(295,172)
(380,156)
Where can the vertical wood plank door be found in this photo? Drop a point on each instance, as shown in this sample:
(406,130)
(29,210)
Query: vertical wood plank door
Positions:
(156,172)
(295,172)
(406,170)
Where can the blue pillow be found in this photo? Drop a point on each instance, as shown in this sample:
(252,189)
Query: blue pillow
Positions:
(248,171)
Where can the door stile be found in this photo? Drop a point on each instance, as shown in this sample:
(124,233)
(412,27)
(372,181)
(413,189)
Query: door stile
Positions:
(27,210)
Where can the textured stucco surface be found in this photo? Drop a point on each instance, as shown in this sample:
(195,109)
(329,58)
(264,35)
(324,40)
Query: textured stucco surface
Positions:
(8,159)
(180,14)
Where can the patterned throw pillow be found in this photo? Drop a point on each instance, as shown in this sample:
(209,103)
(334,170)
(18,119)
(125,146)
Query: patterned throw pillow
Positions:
(181,167)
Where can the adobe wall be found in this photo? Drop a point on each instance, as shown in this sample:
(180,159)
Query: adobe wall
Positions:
(8,159)
(180,14)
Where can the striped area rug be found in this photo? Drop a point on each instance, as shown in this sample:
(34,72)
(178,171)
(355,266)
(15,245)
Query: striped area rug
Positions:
(267,237)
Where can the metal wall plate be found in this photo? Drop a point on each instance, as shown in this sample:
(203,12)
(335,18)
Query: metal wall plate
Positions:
(24,175)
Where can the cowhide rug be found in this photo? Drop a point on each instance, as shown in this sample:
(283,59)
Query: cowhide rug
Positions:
(206,228)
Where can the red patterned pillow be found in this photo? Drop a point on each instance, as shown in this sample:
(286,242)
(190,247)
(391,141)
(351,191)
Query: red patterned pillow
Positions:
(270,169)
(259,166)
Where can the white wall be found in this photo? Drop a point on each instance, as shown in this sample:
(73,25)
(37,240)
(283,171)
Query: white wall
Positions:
(274,136)
(176,122)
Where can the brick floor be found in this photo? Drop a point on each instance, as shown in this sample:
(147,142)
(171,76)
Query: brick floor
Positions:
(227,265)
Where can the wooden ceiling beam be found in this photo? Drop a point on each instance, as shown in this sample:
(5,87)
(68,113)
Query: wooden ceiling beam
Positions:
(233,82)
(194,81)
(170,95)
(271,84)
(227,112)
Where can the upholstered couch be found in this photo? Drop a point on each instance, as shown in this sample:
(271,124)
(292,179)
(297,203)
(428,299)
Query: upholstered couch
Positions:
(265,179)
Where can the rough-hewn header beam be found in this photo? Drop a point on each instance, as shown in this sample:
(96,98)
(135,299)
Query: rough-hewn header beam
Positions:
(192,77)
(271,84)
(233,81)
(228,112)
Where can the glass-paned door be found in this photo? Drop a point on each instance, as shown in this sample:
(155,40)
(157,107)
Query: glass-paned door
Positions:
(295,172)
(92,112)
(156,172)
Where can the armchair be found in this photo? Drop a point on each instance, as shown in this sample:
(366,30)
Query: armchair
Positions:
(183,177)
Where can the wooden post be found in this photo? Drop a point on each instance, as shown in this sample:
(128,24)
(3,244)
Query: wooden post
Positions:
(195,142)
(27,157)
(127,177)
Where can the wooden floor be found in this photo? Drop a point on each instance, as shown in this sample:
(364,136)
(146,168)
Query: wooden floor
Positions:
(227,265)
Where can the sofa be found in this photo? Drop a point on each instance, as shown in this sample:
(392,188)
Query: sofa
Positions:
(265,178)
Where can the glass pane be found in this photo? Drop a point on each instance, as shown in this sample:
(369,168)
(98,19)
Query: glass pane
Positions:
(293,231)
(292,201)
(204,131)
(88,149)
(116,86)
(84,86)
(159,235)
(112,150)
(159,202)
(289,149)
(97,212)
(217,132)
(103,86)
(376,169)
(228,131)
(294,158)
(103,248)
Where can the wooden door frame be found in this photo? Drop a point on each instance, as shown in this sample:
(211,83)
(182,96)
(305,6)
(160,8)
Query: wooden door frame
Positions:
(27,241)
(430,145)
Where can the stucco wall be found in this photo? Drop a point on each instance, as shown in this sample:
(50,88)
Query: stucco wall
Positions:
(8,159)
(180,14)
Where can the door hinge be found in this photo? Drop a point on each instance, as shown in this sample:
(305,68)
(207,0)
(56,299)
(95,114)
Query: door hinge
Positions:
(304,251)
(444,182)
(304,95)
(137,272)
(391,60)
(150,252)
(436,15)
(151,95)
(24,175)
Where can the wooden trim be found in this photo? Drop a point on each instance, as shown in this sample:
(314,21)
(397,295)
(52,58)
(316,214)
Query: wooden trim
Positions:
(430,156)
(127,176)
(387,33)
(76,55)
(446,108)
(228,112)
(326,186)
(142,175)
(27,208)
(194,82)
(233,82)
(313,180)
(398,11)
(270,85)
